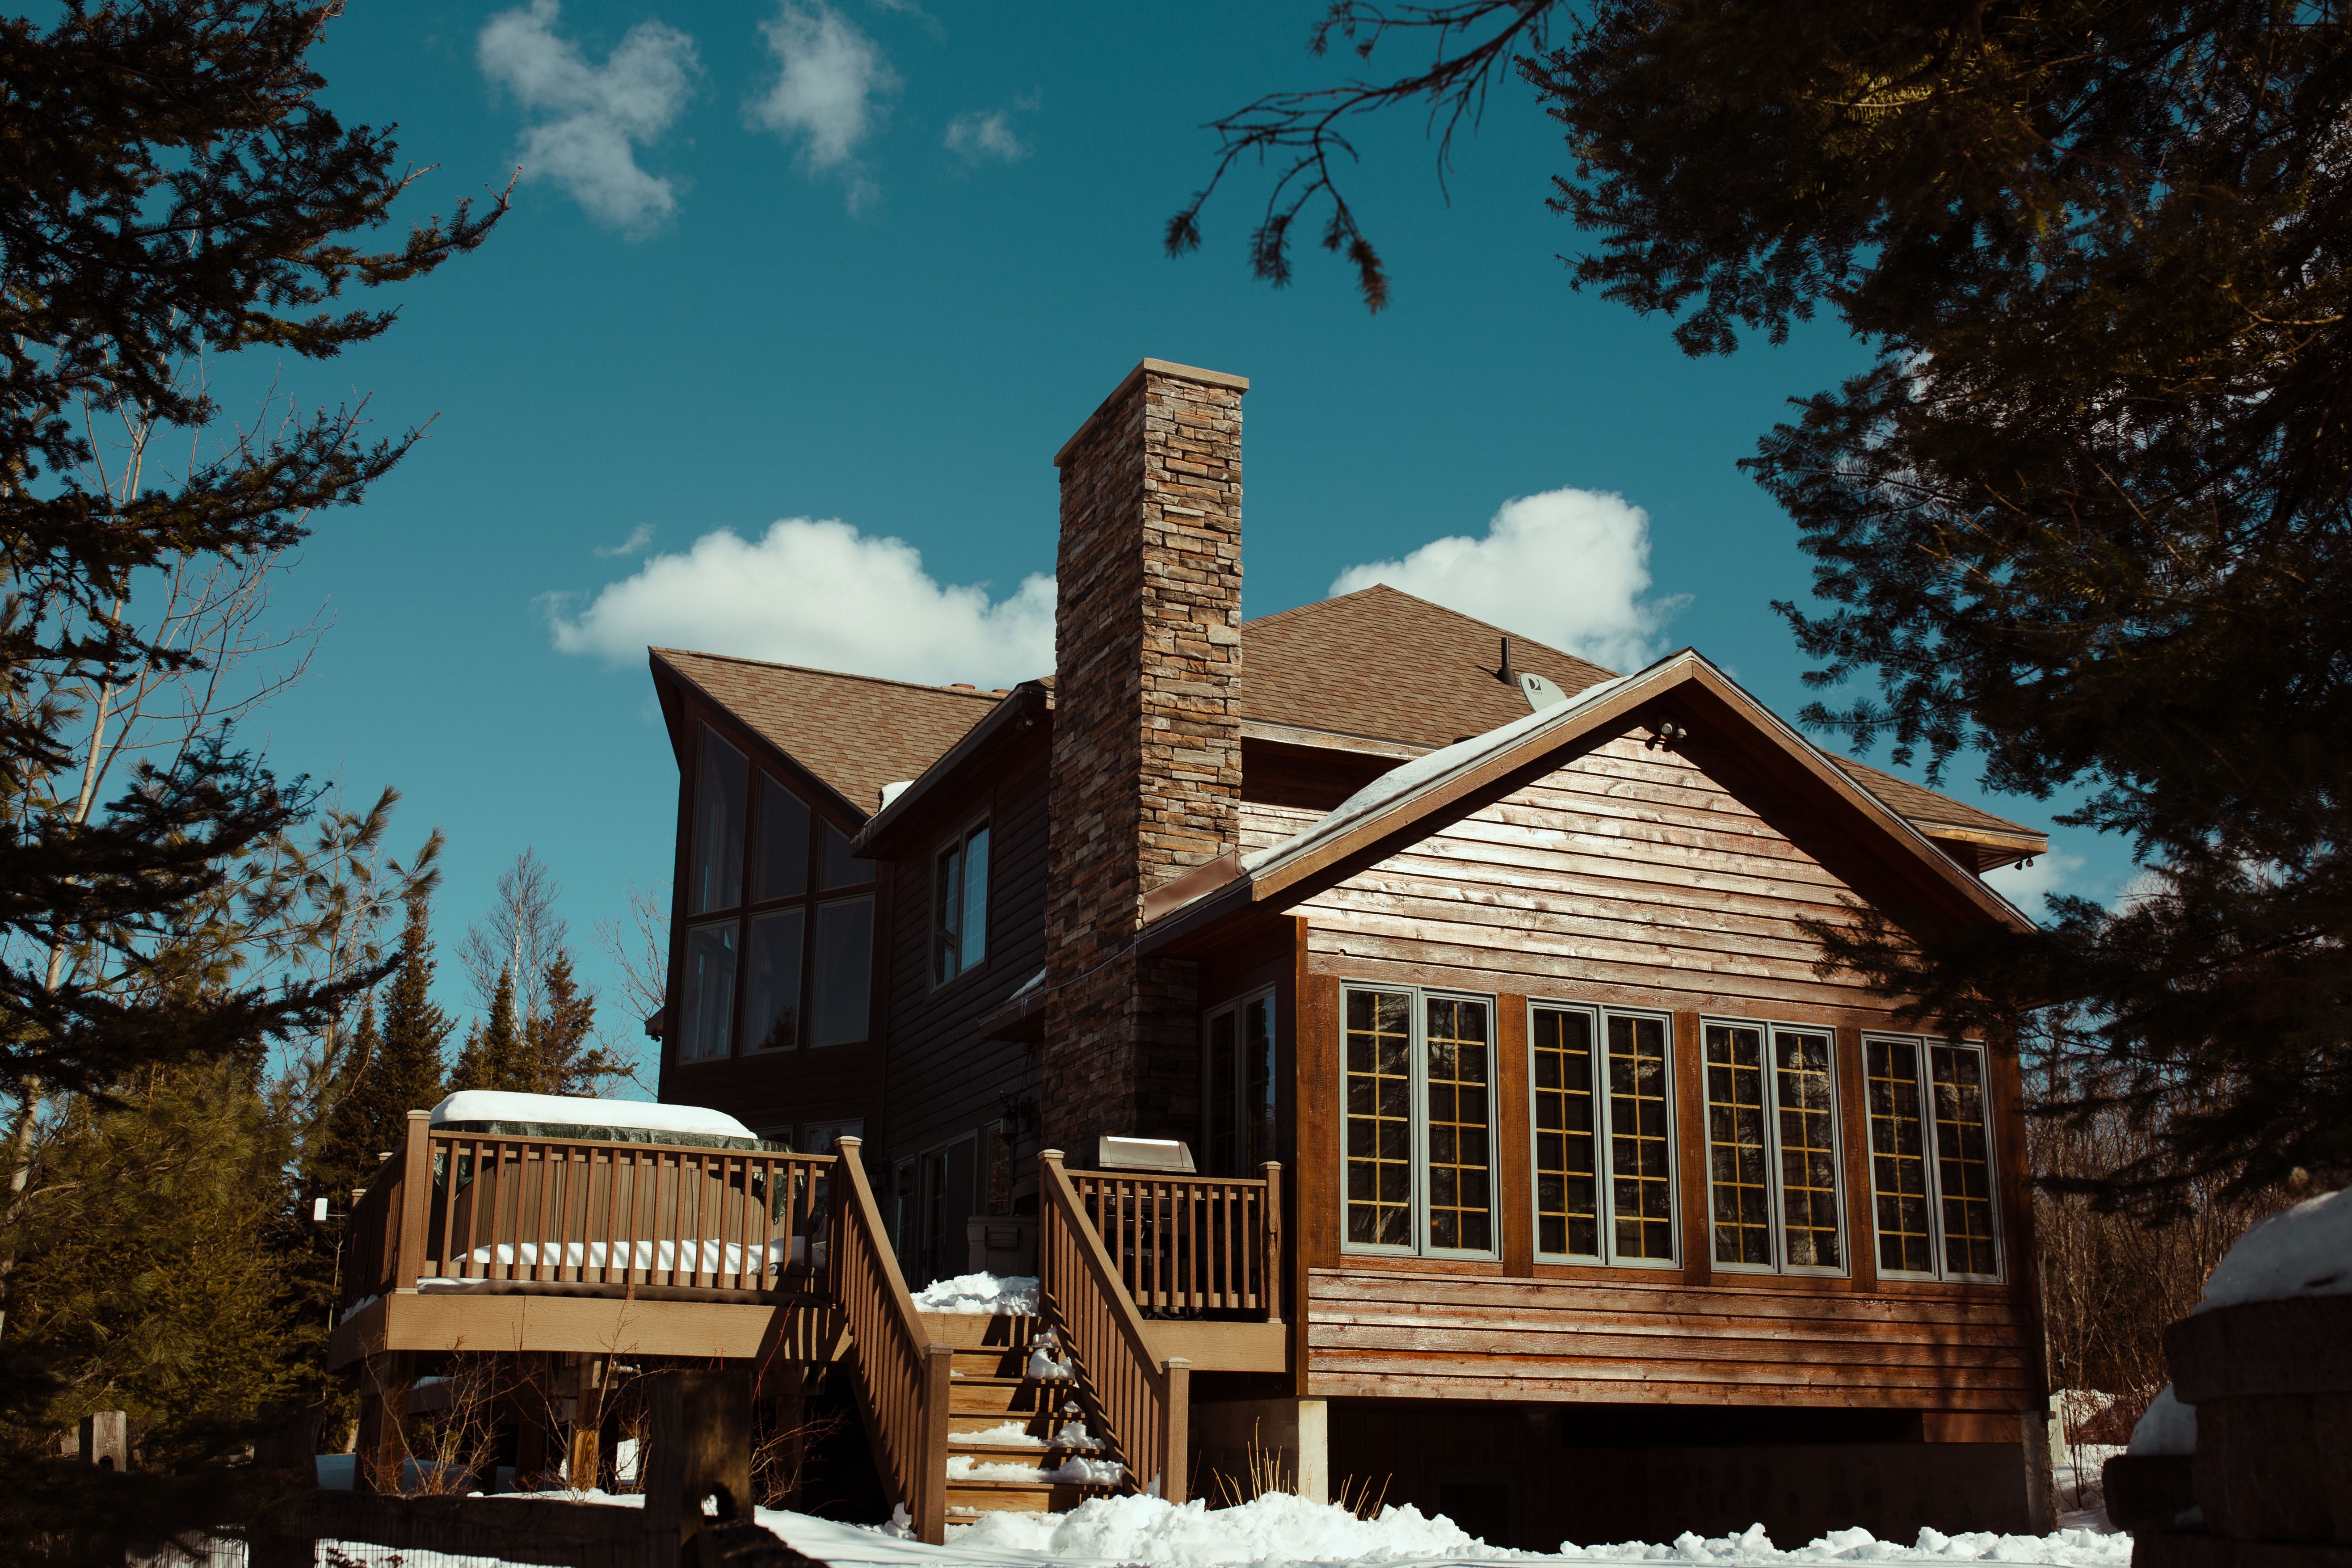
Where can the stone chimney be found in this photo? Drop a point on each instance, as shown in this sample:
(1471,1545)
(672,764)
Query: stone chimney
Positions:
(1147,767)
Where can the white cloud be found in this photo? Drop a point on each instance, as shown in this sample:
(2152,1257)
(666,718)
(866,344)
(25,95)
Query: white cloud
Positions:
(830,88)
(592,116)
(2026,886)
(639,537)
(1568,567)
(989,135)
(819,592)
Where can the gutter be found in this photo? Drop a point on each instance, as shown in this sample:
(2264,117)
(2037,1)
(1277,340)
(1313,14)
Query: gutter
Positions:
(1010,716)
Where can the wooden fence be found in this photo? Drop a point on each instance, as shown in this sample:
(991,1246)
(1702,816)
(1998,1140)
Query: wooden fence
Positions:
(901,1373)
(1188,1244)
(1141,1402)
(466,1206)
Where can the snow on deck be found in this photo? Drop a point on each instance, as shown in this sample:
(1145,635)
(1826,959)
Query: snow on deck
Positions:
(570,1110)
(2305,1250)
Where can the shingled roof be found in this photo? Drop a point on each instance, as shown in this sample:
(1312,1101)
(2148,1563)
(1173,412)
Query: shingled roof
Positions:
(856,732)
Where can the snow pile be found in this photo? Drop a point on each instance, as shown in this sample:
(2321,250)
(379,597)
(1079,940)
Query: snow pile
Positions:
(569,1110)
(981,1294)
(2065,1548)
(2169,1427)
(1075,1471)
(710,1257)
(1045,1360)
(1273,1528)
(1008,1434)
(2302,1251)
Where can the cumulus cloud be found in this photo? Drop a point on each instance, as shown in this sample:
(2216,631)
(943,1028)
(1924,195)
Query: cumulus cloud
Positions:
(983,134)
(819,592)
(2027,886)
(831,89)
(1568,567)
(592,117)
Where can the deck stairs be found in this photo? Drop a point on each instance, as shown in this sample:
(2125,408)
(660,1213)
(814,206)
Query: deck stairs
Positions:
(1001,1419)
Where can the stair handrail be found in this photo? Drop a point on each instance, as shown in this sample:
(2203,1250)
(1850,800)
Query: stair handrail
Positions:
(1143,1402)
(901,1373)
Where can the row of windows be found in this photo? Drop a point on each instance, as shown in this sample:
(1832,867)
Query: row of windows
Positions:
(1419,1090)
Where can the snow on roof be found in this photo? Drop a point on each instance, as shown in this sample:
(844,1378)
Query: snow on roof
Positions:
(2302,1251)
(1424,772)
(570,1110)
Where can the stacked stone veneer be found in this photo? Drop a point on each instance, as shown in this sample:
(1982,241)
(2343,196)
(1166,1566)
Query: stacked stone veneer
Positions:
(1147,766)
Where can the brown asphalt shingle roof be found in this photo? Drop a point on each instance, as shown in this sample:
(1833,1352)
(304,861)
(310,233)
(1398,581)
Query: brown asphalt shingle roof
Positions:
(856,732)
(1378,663)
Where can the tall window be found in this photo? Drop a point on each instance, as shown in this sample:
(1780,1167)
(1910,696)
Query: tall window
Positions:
(1931,1159)
(1603,1082)
(774,958)
(1771,1142)
(959,906)
(1419,1114)
(1238,1068)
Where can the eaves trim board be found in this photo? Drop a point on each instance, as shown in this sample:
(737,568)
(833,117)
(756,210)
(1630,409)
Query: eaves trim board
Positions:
(1360,827)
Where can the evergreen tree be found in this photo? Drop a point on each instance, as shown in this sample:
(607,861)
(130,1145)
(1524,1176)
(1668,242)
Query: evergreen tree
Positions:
(2090,514)
(495,1055)
(412,1073)
(565,1062)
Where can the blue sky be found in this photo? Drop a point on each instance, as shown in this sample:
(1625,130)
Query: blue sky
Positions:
(872,262)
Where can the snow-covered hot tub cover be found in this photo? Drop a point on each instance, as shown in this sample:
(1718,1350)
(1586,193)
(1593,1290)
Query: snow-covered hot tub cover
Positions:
(498,1113)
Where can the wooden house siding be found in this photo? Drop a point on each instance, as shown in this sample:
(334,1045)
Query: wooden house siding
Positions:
(945,1079)
(1628,878)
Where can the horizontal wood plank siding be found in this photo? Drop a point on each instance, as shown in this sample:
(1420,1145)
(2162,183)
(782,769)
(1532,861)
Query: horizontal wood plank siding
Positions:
(1386,1333)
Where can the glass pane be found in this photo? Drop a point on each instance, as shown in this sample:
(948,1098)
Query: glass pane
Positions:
(1898,1156)
(772,1011)
(1257,1099)
(1568,1189)
(1380,1118)
(845,971)
(1461,1148)
(721,780)
(841,868)
(783,843)
(1963,1160)
(708,994)
(947,910)
(1809,1216)
(1735,1146)
(1225,1110)
(972,925)
(1641,1170)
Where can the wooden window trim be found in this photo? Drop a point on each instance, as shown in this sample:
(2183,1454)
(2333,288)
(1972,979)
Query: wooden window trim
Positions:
(1926,1045)
(1599,1013)
(1776,1201)
(1418,1143)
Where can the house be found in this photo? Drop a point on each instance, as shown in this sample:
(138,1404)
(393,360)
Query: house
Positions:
(1598,1210)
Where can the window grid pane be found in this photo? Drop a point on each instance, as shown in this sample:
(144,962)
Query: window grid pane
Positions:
(1461,1149)
(947,908)
(1809,1207)
(1567,1188)
(845,969)
(710,992)
(783,843)
(1735,1146)
(1640,1159)
(971,926)
(1380,1118)
(772,1020)
(1257,1067)
(1963,1161)
(1223,1115)
(1898,1164)
(722,783)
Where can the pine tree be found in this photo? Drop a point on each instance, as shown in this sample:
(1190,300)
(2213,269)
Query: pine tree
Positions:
(414,1030)
(494,1056)
(559,1047)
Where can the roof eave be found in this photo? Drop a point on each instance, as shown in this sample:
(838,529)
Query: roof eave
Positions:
(1027,701)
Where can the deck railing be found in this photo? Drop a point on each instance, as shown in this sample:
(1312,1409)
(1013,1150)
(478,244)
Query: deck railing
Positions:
(1189,1245)
(1139,1402)
(901,1373)
(468,1206)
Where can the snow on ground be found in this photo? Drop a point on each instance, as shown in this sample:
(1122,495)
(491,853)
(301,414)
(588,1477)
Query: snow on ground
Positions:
(2305,1250)
(979,1294)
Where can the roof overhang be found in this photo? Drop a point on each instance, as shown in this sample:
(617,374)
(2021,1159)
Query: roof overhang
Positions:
(669,681)
(1736,740)
(1011,717)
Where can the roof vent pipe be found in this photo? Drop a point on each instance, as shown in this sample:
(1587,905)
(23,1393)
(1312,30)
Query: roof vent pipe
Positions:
(1509,675)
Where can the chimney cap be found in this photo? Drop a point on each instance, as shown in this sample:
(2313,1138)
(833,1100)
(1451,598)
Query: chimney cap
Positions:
(1156,367)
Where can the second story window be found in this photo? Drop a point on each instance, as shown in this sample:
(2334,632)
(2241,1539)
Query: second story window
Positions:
(1771,1140)
(778,950)
(1418,1089)
(959,906)
(1603,1135)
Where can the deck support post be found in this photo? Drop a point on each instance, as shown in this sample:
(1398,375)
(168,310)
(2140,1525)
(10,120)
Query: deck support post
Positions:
(788,1413)
(1313,1450)
(382,1447)
(1176,1416)
(701,1442)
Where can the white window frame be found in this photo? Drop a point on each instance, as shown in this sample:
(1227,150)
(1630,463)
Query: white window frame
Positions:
(1417,1092)
(1776,1205)
(1927,1044)
(1605,1204)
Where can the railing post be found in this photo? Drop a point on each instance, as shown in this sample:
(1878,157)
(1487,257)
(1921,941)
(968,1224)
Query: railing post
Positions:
(1175,1428)
(931,1508)
(1271,1229)
(415,1200)
(1049,1169)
